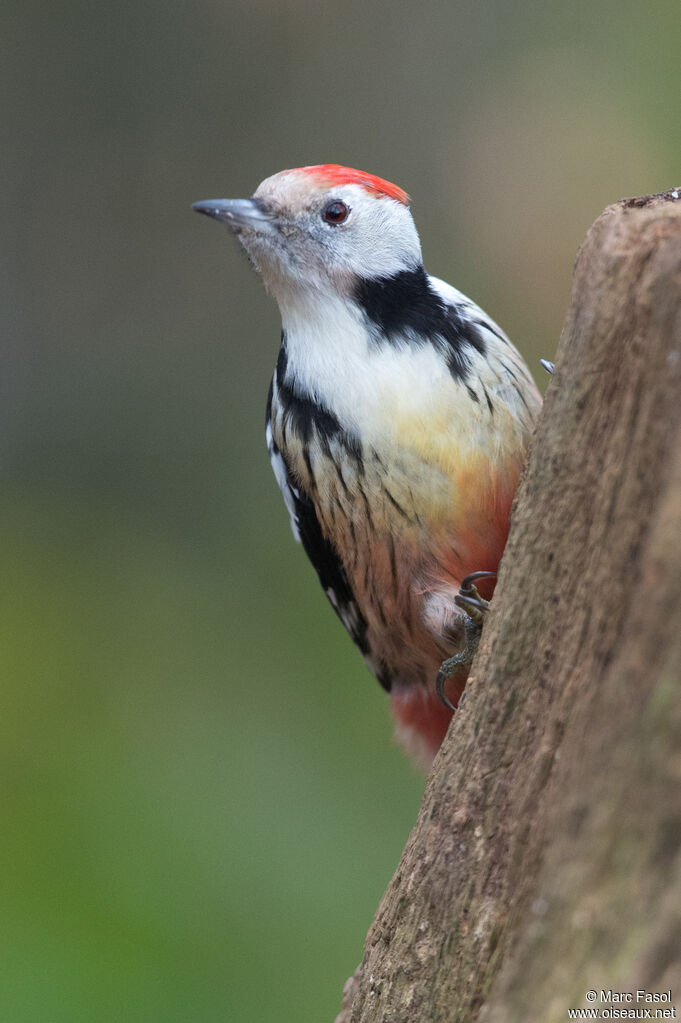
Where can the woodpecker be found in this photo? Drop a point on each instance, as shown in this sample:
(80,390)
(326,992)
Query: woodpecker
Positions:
(398,421)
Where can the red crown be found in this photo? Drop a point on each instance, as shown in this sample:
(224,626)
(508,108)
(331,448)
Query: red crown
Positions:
(337,175)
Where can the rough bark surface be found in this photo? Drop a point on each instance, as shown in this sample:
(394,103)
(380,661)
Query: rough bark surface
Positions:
(546,859)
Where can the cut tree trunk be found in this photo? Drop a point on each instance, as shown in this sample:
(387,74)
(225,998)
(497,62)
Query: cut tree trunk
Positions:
(546,859)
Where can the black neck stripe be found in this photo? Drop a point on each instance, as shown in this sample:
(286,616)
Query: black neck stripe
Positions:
(405,303)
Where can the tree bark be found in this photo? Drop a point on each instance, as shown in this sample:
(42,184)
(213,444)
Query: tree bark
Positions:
(546,859)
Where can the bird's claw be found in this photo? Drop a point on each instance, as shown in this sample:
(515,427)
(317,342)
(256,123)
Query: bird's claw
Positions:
(442,676)
(469,600)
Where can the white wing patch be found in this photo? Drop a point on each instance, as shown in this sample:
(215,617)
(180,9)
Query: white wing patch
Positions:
(348,613)
(457,298)
(288,491)
(502,371)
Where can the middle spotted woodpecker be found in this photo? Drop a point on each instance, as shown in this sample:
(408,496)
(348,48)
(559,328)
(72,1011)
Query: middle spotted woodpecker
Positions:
(398,421)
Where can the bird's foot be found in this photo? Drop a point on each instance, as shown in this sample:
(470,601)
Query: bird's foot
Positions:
(469,600)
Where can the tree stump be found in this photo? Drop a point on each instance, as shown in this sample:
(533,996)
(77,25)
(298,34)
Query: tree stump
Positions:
(546,857)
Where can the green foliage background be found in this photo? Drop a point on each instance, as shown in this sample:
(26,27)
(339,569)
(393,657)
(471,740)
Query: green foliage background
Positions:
(201,800)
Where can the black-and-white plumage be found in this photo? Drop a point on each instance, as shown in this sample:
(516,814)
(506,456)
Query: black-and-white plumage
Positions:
(397,423)
(307,530)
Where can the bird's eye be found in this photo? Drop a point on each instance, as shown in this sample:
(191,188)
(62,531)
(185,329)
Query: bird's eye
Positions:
(335,212)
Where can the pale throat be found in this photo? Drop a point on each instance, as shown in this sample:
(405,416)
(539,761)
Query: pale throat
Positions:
(328,346)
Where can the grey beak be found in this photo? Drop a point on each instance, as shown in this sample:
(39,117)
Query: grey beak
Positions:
(235,212)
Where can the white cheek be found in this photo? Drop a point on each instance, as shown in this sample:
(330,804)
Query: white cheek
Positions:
(380,240)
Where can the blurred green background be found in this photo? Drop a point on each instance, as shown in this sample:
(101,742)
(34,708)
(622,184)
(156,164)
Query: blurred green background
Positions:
(202,802)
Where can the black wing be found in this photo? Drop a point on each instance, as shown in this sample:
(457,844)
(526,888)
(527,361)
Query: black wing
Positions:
(321,552)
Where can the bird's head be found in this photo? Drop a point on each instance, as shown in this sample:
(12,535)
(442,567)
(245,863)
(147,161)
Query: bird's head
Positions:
(322,228)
